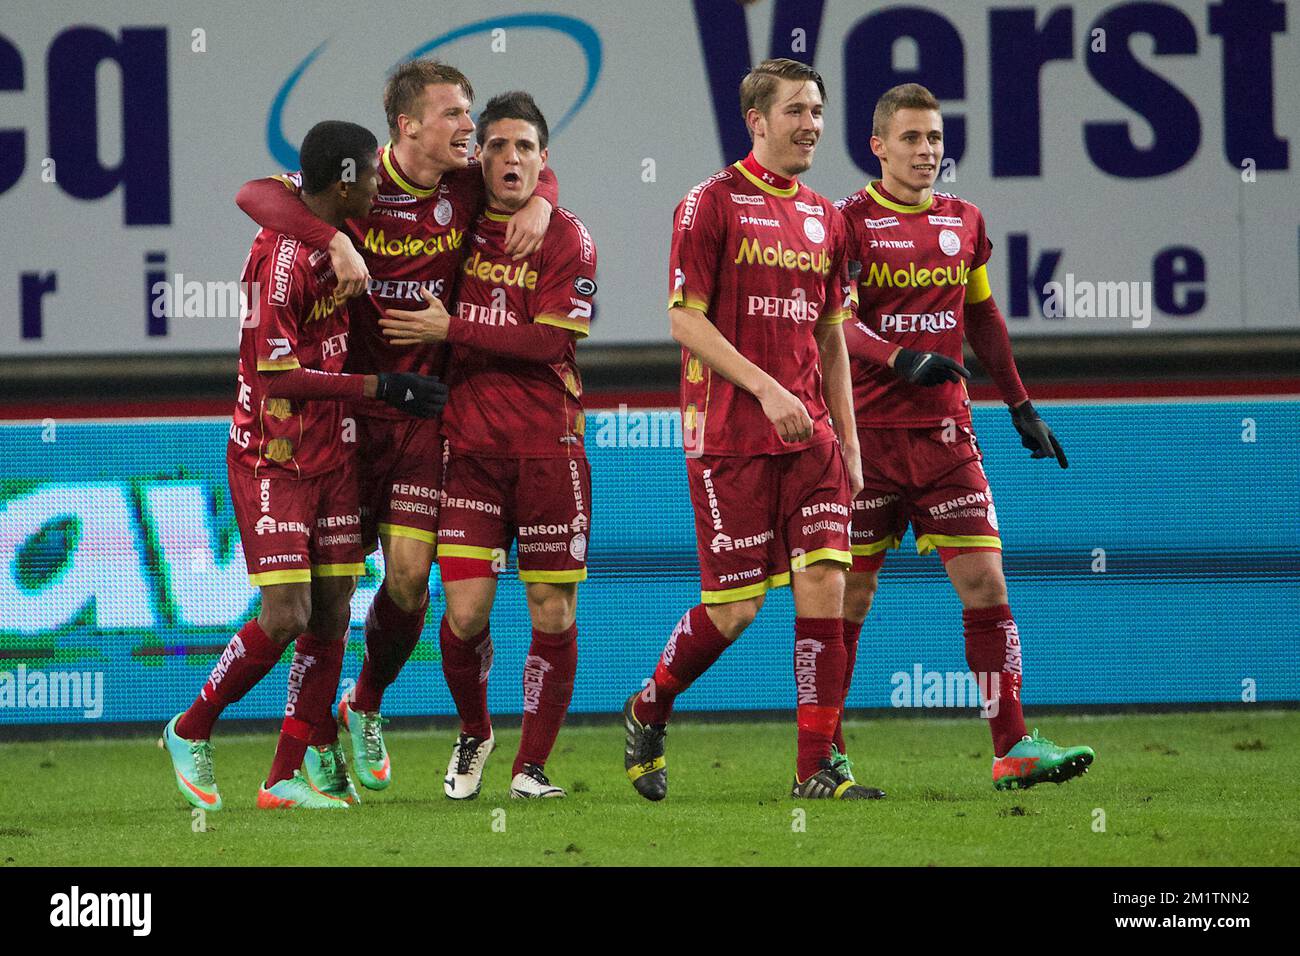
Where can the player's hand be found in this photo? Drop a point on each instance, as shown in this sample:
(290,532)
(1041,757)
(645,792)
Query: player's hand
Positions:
(349,266)
(527,228)
(1035,435)
(430,324)
(420,395)
(787,414)
(928,368)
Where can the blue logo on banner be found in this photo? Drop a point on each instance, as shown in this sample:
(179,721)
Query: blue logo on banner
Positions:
(581,32)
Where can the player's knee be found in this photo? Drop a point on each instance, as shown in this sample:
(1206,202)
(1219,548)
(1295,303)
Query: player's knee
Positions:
(468,619)
(732,619)
(859,592)
(553,611)
(984,587)
(285,621)
(407,583)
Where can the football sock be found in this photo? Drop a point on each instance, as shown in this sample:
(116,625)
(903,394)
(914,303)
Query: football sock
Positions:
(694,645)
(852,631)
(993,654)
(819,683)
(548,687)
(391,636)
(309,693)
(248,658)
(466,665)
(320,684)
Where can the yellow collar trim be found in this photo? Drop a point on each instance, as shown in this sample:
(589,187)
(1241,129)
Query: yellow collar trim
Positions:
(766,187)
(898,206)
(415,191)
(496,216)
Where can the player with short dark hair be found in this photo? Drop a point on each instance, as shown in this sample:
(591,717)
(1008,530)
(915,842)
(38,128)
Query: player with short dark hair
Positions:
(517,469)
(923,285)
(413,241)
(758,295)
(294,490)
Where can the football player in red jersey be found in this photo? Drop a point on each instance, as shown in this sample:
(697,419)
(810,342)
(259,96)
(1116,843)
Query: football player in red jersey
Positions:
(923,284)
(293,487)
(412,240)
(516,468)
(758,295)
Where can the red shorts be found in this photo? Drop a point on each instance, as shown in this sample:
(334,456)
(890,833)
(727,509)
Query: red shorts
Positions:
(400,463)
(294,529)
(915,475)
(758,517)
(489,502)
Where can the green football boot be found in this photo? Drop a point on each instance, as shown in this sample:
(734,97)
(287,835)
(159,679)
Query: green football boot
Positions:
(327,771)
(841,763)
(296,792)
(192,763)
(1036,759)
(369,755)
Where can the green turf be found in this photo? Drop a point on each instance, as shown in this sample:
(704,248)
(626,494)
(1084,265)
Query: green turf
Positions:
(1177,789)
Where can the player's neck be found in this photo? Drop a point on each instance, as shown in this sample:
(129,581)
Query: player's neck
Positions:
(758,163)
(323,208)
(902,193)
(500,207)
(416,168)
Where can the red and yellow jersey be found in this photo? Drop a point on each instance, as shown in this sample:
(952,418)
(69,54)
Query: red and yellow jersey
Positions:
(413,238)
(766,265)
(507,408)
(920,265)
(292,322)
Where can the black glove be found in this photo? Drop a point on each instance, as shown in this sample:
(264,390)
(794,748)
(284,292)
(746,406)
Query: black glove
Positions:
(928,368)
(1036,436)
(420,395)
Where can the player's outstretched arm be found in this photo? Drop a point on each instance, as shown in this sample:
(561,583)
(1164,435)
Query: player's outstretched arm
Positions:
(273,203)
(837,390)
(692,329)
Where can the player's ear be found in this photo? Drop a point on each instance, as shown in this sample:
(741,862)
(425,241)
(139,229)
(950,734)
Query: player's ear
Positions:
(878,147)
(544,154)
(756,123)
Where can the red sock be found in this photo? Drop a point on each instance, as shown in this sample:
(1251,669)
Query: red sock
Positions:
(691,650)
(819,682)
(466,665)
(289,750)
(309,693)
(852,631)
(248,658)
(391,636)
(548,687)
(993,654)
(320,685)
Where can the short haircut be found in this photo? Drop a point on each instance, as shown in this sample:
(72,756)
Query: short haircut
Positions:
(406,86)
(907,96)
(758,88)
(327,147)
(513,105)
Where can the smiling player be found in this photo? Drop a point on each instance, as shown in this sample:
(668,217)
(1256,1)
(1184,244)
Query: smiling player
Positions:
(413,241)
(922,286)
(517,468)
(757,299)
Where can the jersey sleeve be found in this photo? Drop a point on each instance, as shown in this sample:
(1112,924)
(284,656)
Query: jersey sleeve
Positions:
(548,187)
(566,286)
(839,288)
(696,252)
(280,301)
(276,204)
(983,247)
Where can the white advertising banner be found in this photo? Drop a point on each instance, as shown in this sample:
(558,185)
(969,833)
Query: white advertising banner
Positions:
(1133,160)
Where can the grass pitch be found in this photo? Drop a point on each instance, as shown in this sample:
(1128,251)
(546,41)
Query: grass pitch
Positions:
(1170,789)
